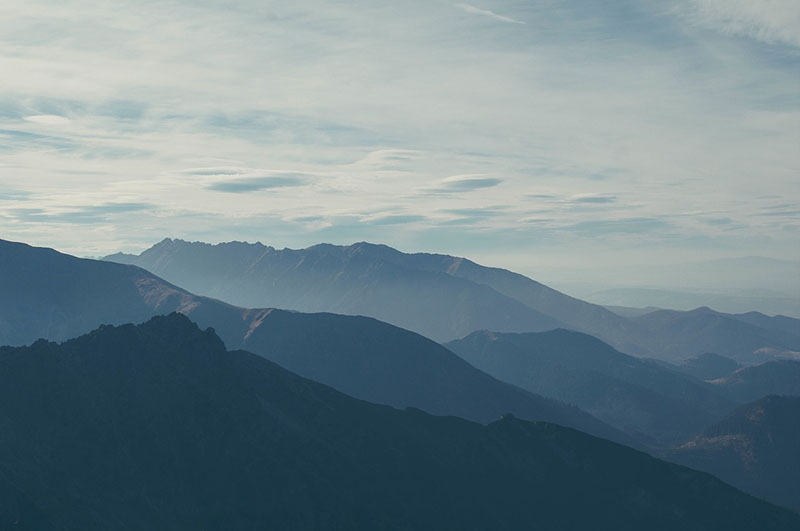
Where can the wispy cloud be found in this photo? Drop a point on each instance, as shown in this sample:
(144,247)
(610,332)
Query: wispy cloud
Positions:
(771,21)
(487,13)
(47,119)
(592,198)
(365,113)
(254,184)
(466,183)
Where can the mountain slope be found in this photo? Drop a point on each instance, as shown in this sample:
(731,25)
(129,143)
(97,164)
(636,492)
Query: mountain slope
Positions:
(755,448)
(346,280)
(638,396)
(361,356)
(159,427)
(779,377)
(442,297)
(708,366)
(681,334)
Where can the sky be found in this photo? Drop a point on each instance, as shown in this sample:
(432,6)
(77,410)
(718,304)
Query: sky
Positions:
(523,134)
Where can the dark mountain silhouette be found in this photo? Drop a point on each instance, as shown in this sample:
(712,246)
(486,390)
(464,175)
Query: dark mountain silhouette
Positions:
(755,448)
(56,296)
(708,366)
(439,296)
(779,377)
(638,396)
(157,426)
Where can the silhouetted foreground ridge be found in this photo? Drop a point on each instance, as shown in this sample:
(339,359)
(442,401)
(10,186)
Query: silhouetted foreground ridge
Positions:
(157,426)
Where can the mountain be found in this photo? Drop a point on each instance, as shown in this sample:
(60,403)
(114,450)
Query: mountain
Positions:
(355,280)
(708,366)
(724,300)
(157,426)
(755,449)
(439,296)
(684,334)
(56,296)
(638,396)
(779,377)
(790,325)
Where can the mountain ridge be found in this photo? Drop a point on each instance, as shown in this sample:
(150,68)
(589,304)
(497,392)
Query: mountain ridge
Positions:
(158,426)
(442,297)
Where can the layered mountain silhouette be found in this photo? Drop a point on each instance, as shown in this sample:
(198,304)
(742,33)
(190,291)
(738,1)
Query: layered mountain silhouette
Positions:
(356,280)
(708,366)
(55,296)
(779,377)
(742,337)
(638,396)
(755,448)
(442,297)
(157,426)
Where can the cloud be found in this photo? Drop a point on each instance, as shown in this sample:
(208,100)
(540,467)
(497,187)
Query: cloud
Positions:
(394,219)
(466,183)
(47,119)
(80,214)
(213,171)
(372,107)
(15,195)
(486,13)
(592,198)
(601,227)
(254,184)
(770,21)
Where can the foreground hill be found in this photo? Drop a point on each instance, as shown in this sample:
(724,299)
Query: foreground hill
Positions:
(755,448)
(157,426)
(442,297)
(638,396)
(56,296)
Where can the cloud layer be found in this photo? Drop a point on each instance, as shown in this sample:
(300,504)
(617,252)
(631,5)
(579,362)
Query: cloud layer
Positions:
(510,131)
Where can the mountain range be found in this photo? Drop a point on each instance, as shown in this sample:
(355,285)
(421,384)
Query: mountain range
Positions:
(446,298)
(638,402)
(158,426)
(55,296)
(639,396)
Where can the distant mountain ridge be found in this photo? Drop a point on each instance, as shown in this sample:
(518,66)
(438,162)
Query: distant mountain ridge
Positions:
(778,377)
(636,395)
(327,278)
(158,426)
(445,297)
(47,294)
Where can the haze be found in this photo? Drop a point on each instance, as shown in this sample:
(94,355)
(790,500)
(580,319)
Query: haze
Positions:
(526,135)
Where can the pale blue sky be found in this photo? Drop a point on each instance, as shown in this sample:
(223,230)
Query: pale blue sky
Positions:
(519,133)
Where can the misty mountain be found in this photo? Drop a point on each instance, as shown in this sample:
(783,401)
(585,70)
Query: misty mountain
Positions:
(779,377)
(641,397)
(684,334)
(740,300)
(755,448)
(355,280)
(439,296)
(56,296)
(157,426)
(708,366)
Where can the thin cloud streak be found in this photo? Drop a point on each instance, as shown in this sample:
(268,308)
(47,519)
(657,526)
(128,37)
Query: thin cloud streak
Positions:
(486,13)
